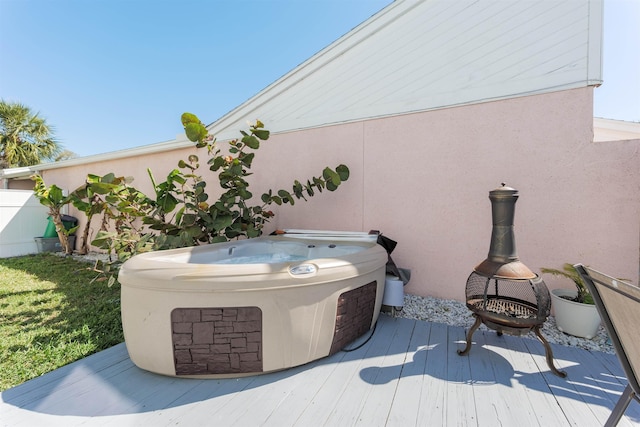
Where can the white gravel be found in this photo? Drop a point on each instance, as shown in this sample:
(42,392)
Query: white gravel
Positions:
(456,313)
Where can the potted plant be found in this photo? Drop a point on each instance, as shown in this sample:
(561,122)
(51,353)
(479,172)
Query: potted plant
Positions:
(574,309)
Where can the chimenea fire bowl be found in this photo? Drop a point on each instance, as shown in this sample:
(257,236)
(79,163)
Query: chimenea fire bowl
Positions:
(511,306)
(508,305)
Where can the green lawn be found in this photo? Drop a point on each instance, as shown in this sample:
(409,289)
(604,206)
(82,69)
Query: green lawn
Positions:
(51,314)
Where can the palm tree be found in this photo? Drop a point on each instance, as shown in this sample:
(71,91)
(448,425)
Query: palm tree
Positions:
(65,155)
(25,138)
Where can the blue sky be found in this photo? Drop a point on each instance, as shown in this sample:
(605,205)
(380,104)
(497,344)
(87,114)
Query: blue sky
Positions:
(115,74)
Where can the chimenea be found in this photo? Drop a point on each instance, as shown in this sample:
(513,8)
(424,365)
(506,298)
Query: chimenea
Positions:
(501,291)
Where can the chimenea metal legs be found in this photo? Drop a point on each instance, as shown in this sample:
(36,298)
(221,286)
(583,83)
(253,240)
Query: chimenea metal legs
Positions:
(548,352)
(475,327)
(536,329)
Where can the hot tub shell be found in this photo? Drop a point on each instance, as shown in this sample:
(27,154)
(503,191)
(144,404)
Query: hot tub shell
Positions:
(193,312)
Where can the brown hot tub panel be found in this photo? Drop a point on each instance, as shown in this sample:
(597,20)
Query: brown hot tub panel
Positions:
(353,315)
(217,340)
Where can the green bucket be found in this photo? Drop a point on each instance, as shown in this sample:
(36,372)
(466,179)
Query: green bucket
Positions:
(68,221)
(51,229)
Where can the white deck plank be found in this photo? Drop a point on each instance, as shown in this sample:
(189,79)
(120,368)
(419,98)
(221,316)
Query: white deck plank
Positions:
(514,408)
(547,410)
(576,398)
(191,410)
(577,413)
(250,407)
(171,399)
(615,375)
(386,376)
(301,394)
(461,388)
(433,405)
(485,384)
(75,394)
(586,380)
(157,407)
(359,383)
(329,395)
(408,374)
(255,394)
(34,390)
(285,394)
(408,398)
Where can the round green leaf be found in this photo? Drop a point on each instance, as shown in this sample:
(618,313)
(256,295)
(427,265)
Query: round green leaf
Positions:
(189,118)
(251,141)
(343,172)
(195,131)
(261,133)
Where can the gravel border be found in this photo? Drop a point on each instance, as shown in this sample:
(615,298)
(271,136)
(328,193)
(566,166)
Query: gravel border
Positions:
(456,313)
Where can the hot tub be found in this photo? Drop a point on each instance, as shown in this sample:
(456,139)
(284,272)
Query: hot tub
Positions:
(252,306)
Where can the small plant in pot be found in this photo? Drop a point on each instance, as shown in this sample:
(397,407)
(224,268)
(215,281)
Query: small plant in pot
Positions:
(574,309)
(568,271)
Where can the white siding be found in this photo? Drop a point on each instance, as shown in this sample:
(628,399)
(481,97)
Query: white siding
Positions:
(22,218)
(421,55)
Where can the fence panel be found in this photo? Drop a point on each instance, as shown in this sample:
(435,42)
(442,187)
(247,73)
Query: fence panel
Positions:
(22,219)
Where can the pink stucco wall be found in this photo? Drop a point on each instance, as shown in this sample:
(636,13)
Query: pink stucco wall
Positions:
(423,180)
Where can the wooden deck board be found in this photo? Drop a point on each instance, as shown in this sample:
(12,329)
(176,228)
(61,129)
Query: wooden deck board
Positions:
(348,385)
(577,413)
(409,373)
(301,395)
(614,380)
(383,380)
(434,391)
(507,398)
(491,395)
(459,376)
(408,396)
(547,410)
(585,379)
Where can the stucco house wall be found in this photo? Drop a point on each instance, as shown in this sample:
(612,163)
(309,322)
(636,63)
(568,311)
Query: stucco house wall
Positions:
(423,180)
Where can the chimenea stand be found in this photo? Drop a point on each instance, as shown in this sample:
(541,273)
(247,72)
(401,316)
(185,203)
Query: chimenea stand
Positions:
(501,291)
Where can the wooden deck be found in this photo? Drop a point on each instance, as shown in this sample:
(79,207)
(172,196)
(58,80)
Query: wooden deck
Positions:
(408,374)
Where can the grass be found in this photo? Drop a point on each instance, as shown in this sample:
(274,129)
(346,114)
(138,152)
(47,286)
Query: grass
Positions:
(51,315)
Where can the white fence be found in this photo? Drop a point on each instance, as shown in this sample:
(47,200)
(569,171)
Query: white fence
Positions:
(22,218)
